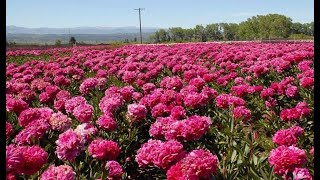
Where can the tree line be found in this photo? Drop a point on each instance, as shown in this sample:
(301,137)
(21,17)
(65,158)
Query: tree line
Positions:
(260,27)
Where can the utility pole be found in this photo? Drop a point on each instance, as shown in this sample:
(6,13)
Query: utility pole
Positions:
(140,23)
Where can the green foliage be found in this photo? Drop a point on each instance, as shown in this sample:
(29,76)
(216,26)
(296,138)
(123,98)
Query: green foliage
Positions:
(270,26)
(300,36)
(200,33)
(213,32)
(72,40)
(58,42)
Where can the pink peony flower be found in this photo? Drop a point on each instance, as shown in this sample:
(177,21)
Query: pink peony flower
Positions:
(69,145)
(33,131)
(222,101)
(240,90)
(160,127)
(241,112)
(178,112)
(85,131)
(285,137)
(192,128)
(174,83)
(197,82)
(9,129)
(27,95)
(107,122)
(312,151)
(59,105)
(266,93)
(60,122)
(13,158)
(148,87)
(83,113)
(301,174)
(287,158)
(126,92)
(271,102)
(10,176)
(103,149)
(61,81)
(158,153)
(136,96)
(110,104)
(197,164)
(291,91)
(62,172)
(114,170)
(301,110)
(63,95)
(195,100)
(87,85)
(15,105)
(307,82)
(195,127)
(72,103)
(45,98)
(33,158)
(136,112)
(160,110)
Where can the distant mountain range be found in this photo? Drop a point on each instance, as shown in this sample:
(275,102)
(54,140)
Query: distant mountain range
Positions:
(78,30)
(82,34)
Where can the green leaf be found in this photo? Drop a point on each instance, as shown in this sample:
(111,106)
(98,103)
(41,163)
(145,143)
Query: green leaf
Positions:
(233,156)
(255,160)
(254,175)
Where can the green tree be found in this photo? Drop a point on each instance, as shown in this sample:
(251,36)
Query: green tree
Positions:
(311,26)
(213,32)
(154,37)
(229,31)
(296,28)
(279,25)
(58,42)
(249,29)
(200,34)
(72,40)
(189,34)
(163,35)
(177,34)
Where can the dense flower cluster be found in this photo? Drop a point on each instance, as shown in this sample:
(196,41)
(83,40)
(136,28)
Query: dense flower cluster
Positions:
(62,172)
(160,154)
(32,132)
(287,158)
(98,107)
(9,129)
(197,164)
(288,137)
(107,122)
(301,110)
(301,174)
(189,129)
(59,122)
(68,145)
(136,112)
(115,170)
(104,149)
(25,159)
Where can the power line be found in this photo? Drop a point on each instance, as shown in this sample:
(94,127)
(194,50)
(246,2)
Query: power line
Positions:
(140,23)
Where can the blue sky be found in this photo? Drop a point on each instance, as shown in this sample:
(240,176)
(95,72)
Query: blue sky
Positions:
(161,13)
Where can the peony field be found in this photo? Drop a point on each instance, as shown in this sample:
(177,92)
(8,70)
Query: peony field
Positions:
(185,111)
